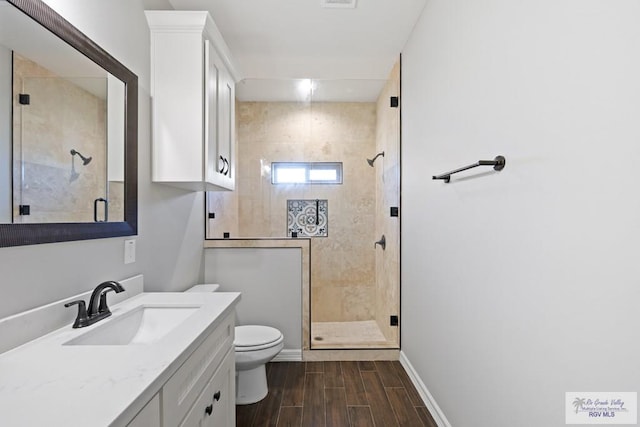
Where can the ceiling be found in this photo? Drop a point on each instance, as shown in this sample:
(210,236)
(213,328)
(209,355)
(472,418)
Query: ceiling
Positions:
(300,39)
(28,39)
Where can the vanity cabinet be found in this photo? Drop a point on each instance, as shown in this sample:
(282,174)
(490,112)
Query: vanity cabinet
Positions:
(215,405)
(202,391)
(149,415)
(193,102)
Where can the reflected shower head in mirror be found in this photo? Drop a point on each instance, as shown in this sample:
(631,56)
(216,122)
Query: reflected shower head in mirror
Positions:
(85,160)
(370,161)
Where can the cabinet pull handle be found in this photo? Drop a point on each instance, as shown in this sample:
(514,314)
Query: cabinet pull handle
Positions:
(216,395)
(221,168)
(95,209)
(209,409)
(226,162)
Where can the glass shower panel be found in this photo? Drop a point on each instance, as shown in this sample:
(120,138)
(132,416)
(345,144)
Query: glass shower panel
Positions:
(346,293)
(387,170)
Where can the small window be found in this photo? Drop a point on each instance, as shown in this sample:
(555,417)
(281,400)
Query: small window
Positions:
(306,173)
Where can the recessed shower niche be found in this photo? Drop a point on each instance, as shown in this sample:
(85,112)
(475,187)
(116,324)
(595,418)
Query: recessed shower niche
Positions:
(307,218)
(354,286)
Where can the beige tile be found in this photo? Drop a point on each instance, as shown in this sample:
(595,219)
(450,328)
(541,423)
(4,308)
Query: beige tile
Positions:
(351,333)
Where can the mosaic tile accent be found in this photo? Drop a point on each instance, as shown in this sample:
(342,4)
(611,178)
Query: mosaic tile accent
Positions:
(308,218)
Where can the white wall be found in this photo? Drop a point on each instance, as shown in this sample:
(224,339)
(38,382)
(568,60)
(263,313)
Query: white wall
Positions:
(521,285)
(270,280)
(171,221)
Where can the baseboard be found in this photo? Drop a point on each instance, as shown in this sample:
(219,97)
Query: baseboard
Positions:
(288,356)
(429,401)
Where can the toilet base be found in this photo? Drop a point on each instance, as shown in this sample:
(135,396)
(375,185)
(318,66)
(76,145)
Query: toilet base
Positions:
(251,385)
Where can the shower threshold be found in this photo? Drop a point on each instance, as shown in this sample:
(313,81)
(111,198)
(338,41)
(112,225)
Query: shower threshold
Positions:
(348,335)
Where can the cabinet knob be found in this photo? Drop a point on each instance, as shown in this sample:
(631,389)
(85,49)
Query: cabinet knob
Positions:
(221,168)
(216,395)
(209,409)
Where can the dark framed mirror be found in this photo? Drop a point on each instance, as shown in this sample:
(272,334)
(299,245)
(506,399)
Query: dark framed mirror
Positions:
(111,209)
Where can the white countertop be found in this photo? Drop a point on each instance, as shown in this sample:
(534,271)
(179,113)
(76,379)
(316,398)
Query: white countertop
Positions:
(46,383)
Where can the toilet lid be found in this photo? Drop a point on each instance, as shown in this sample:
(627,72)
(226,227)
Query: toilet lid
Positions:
(255,335)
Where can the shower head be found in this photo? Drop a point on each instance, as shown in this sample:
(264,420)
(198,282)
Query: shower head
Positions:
(370,161)
(85,160)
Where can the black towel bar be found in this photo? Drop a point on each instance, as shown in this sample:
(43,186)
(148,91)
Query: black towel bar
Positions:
(497,163)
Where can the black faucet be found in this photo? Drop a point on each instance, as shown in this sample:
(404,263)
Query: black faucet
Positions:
(98,308)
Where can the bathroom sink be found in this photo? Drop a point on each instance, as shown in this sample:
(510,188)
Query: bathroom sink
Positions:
(143,324)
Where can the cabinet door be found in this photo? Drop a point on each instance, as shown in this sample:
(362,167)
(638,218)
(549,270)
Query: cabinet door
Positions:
(186,385)
(226,122)
(215,407)
(214,164)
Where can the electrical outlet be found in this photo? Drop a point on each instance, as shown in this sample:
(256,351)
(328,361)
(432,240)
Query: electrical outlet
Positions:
(129,251)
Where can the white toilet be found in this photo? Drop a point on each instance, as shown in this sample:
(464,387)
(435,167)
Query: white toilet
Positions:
(255,345)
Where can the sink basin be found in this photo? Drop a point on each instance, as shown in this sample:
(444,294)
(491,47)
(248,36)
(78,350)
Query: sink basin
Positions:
(144,324)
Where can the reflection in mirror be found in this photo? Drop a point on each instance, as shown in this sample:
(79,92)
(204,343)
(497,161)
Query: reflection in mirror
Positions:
(68,132)
(61,111)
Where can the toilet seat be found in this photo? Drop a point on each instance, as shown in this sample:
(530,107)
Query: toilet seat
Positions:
(256,337)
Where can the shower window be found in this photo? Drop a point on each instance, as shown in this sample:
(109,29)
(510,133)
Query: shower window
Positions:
(306,173)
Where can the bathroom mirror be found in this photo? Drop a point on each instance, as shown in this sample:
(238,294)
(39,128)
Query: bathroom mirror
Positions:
(68,132)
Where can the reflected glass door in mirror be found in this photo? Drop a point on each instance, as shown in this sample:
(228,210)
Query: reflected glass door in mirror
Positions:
(55,120)
(68,132)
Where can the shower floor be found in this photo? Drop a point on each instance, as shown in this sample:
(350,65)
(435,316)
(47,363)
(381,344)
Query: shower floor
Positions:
(355,334)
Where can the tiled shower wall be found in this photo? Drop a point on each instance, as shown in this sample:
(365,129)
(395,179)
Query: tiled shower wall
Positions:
(343,264)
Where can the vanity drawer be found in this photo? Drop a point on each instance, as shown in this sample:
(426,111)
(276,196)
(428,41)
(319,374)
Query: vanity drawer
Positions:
(215,406)
(184,387)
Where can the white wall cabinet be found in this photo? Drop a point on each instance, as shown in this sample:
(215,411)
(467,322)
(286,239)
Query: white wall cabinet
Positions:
(193,102)
(202,391)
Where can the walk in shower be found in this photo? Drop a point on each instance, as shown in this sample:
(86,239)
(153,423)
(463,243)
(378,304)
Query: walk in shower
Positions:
(310,166)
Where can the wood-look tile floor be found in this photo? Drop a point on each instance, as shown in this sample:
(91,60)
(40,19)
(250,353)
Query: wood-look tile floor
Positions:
(340,394)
